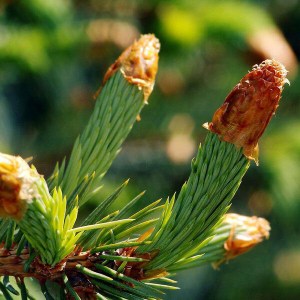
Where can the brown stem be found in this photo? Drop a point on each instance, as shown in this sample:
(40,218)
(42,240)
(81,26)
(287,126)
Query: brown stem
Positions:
(12,264)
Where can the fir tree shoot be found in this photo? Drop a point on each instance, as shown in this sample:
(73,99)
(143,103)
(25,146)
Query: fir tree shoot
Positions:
(125,255)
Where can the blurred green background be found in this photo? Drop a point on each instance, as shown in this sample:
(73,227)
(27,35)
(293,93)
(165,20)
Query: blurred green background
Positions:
(53,54)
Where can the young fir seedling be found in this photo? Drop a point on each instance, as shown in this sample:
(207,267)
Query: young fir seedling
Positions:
(122,255)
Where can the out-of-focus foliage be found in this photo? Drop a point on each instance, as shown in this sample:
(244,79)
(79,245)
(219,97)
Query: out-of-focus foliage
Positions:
(53,55)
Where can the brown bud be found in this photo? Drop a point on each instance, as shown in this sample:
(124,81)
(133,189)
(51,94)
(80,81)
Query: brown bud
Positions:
(247,110)
(246,232)
(138,63)
(16,186)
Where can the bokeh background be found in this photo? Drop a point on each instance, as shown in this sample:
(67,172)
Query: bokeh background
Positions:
(53,54)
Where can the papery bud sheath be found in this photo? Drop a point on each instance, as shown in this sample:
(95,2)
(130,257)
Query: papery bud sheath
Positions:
(138,63)
(17,186)
(248,109)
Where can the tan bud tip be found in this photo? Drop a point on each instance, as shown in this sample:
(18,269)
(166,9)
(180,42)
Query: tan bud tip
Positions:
(138,63)
(16,186)
(248,109)
(246,232)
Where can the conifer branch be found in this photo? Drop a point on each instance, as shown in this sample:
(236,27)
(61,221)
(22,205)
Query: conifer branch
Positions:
(107,257)
(187,222)
(126,88)
(216,175)
(236,235)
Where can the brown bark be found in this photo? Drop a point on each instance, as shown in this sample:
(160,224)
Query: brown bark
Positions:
(12,264)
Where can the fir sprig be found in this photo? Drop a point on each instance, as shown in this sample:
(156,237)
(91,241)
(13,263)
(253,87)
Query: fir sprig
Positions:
(47,227)
(234,236)
(123,94)
(115,112)
(216,175)
(130,253)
